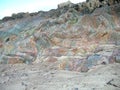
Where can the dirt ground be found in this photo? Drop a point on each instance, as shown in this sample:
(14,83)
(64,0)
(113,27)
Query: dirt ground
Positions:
(47,77)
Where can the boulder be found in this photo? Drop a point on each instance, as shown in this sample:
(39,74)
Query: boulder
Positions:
(64,4)
(116,55)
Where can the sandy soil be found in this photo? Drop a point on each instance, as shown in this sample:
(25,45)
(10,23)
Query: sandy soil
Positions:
(47,77)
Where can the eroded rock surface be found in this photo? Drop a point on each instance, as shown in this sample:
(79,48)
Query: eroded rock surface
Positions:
(74,37)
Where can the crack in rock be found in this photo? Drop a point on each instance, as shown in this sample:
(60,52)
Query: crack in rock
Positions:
(110,83)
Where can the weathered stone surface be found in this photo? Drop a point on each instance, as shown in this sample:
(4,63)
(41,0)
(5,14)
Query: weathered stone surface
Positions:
(85,34)
(73,47)
(116,55)
(65,4)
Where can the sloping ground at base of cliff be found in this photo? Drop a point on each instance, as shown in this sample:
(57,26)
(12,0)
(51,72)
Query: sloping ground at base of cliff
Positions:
(45,77)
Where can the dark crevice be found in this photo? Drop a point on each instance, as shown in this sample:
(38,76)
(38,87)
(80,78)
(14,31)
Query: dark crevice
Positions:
(109,83)
(8,39)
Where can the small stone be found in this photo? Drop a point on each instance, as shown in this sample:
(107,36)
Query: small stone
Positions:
(4,80)
(117,59)
(75,88)
(3,74)
(65,86)
(24,84)
(84,69)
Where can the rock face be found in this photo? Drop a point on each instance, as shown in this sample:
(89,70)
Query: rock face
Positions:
(62,5)
(75,36)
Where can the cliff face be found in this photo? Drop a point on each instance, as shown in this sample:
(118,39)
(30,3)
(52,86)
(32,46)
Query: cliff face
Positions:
(74,37)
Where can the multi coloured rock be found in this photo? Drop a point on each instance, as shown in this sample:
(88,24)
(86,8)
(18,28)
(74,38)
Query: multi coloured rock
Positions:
(74,36)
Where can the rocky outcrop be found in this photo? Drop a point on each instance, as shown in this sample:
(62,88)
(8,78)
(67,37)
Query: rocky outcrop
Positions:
(84,8)
(76,37)
(62,5)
